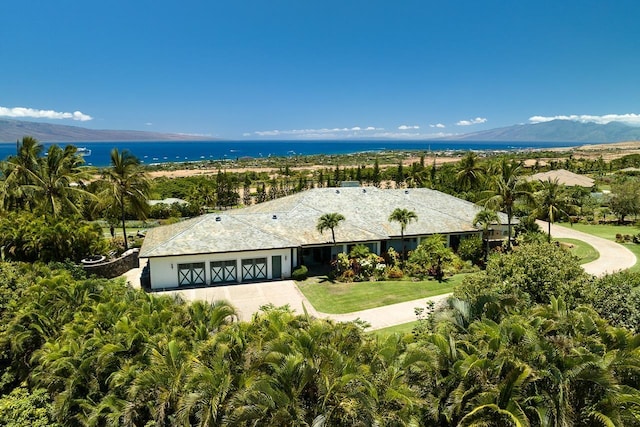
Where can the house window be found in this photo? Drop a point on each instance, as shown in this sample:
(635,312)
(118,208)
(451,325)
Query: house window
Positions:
(191,274)
(253,269)
(223,271)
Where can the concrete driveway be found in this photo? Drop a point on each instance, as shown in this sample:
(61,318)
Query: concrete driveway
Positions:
(613,256)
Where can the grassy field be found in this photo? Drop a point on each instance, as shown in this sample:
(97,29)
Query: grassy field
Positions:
(339,298)
(609,232)
(584,251)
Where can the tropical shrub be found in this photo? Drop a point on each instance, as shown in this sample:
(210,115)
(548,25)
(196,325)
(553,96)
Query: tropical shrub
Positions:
(531,273)
(300,273)
(360,265)
(431,258)
(472,249)
(27,237)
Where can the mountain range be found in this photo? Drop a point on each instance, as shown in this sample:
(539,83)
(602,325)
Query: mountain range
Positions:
(557,131)
(13,130)
(551,131)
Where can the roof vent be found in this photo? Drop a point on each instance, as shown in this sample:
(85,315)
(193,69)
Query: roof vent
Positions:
(406,191)
(218,219)
(364,190)
(337,191)
(274,217)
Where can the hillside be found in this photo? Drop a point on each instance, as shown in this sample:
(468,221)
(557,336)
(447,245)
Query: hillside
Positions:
(557,130)
(13,130)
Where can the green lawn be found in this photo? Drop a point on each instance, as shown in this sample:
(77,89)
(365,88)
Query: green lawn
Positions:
(609,232)
(403,328)
(584,251)
(339,298)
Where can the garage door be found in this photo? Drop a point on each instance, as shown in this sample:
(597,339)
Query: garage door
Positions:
(223,272)
(254,269)
(191,274)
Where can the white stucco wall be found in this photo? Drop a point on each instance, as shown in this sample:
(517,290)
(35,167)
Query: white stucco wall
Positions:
(164,271)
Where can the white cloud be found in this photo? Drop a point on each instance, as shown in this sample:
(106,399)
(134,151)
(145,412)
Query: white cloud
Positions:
(22,112)
(438,125)
(320,133)
(148,124)
(630,118)
(404,132)
(476,121)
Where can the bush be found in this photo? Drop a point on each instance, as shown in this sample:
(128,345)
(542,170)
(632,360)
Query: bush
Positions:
(300,273)
(395,273)
(472,249)
(28,237)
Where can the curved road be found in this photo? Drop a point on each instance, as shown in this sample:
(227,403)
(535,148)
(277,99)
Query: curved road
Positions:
(248,298)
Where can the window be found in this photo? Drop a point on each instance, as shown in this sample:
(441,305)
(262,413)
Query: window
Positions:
(191,274)
(253,269)
(223,271)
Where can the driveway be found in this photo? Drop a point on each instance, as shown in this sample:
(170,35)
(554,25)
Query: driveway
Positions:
(248,298)
(613,256)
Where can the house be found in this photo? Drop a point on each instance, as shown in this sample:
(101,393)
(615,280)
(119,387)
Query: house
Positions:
(168,201)
(564,177)
(269,240)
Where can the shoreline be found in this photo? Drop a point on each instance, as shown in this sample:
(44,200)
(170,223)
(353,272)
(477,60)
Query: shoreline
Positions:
(607,151)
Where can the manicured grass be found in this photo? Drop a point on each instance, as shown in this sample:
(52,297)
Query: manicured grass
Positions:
(584,251)
(609,232)
(606,231)
(339,298)
(402,329)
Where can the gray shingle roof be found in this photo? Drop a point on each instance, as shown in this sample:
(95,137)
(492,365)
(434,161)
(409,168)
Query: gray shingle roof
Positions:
(291,221)
(564,177)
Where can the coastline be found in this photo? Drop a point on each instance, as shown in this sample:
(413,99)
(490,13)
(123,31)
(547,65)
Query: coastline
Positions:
(607,151)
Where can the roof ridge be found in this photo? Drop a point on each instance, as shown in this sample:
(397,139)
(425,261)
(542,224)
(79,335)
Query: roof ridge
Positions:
(196,220)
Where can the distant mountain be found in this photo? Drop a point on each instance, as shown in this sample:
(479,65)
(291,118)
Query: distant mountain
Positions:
(13,130)
(557,131)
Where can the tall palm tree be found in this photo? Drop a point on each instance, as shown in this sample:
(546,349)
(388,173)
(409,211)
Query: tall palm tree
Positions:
(330,221)
(506,189)
(56,183)
(484,219)
(16,171)
(404,217)
(551,202)
(470,172)
(128,187)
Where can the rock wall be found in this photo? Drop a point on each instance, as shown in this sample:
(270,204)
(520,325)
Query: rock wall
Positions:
(116,267)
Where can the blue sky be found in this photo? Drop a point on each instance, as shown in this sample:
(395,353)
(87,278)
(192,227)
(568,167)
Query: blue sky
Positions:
(318,69)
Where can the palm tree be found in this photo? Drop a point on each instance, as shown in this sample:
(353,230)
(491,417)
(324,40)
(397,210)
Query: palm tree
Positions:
(128,187)
(330,221)
(404,217)
(16,171)
(470,173)
(506,189)
(551,201)
(484,219)
(56,183)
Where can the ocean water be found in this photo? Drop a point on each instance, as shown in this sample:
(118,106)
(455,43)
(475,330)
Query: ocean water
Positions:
(191,151)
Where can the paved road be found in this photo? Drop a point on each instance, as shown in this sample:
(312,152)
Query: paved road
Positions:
(248,298)
(613,256)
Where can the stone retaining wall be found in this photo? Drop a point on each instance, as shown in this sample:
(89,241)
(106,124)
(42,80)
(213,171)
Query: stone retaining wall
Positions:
(116,267)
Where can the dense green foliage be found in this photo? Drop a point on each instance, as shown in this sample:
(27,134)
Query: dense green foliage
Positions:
(97,353)
(28,237)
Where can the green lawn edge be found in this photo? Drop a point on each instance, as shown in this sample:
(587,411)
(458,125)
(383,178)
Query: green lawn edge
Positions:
(342,298)
(582,250)
(609,231)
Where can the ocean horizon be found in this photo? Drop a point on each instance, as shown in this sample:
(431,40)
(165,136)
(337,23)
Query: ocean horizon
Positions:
(156,152)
